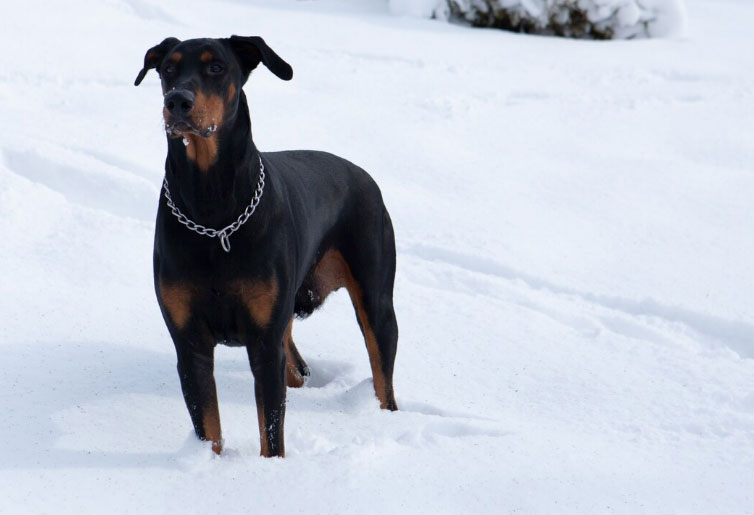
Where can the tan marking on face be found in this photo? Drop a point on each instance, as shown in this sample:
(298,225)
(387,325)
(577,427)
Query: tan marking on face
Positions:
(177,56)
(259,297)
(293,376)
(206,56)
(231,92)
(208,110)
(177,301)
(331,273)
(212,430)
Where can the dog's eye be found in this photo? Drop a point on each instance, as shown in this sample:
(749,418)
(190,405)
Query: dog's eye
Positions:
(216,68)
(168,69)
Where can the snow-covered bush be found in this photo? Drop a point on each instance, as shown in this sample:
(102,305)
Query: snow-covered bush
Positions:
(594,19)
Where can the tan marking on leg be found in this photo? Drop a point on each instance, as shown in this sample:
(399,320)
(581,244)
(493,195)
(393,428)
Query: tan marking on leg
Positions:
(263,442)
(331,273)
(206,56)
(177,56)
(259,297)
(177,301)
(380,382)
(212,430)
(293,377)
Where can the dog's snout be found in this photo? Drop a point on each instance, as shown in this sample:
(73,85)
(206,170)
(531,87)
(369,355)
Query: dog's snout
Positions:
(179,101)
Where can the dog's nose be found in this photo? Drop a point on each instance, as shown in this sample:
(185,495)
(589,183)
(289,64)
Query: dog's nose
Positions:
(179,101)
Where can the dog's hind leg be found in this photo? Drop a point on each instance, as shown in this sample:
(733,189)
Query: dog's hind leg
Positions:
(380,329)
(371,290)
(296,368)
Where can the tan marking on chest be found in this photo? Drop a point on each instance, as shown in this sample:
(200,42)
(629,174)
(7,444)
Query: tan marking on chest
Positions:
(208,111)
(259,297)
(177,301)
(203,151)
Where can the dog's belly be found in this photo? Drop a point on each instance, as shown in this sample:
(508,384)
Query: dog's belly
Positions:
(308,298)
(328,274)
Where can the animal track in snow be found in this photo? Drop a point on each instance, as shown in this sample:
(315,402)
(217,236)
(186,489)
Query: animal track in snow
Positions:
(733,334)
(325,372)
(86,181)
(522,97)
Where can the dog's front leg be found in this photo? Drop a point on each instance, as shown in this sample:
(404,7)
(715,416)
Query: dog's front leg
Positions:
(195,369)
(268,365)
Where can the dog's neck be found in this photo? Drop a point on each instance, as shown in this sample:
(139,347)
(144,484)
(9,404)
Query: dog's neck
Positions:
(213,179)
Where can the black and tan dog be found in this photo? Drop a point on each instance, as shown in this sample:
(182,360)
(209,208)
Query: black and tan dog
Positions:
(246,240)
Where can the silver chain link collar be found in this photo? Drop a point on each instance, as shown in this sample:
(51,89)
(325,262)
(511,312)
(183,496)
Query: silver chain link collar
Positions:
(225,232)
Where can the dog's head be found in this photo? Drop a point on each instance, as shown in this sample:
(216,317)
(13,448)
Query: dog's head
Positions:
(202,79)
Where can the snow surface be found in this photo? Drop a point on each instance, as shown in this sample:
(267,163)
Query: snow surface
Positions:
(574,287)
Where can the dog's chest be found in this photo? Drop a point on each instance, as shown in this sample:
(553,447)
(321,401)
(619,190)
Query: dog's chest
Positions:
(231,310)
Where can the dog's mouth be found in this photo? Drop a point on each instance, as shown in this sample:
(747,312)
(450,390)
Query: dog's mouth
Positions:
(183,127)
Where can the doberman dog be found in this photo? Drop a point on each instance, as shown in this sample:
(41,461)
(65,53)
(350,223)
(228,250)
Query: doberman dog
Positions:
(245,241)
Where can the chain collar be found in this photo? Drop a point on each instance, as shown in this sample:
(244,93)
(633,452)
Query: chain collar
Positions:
(225,232)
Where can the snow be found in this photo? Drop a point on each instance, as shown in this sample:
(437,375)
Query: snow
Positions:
(574,283)
(419,8)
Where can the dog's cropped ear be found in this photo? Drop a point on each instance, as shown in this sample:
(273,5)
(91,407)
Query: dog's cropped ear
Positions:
(154,57)
(252,50)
